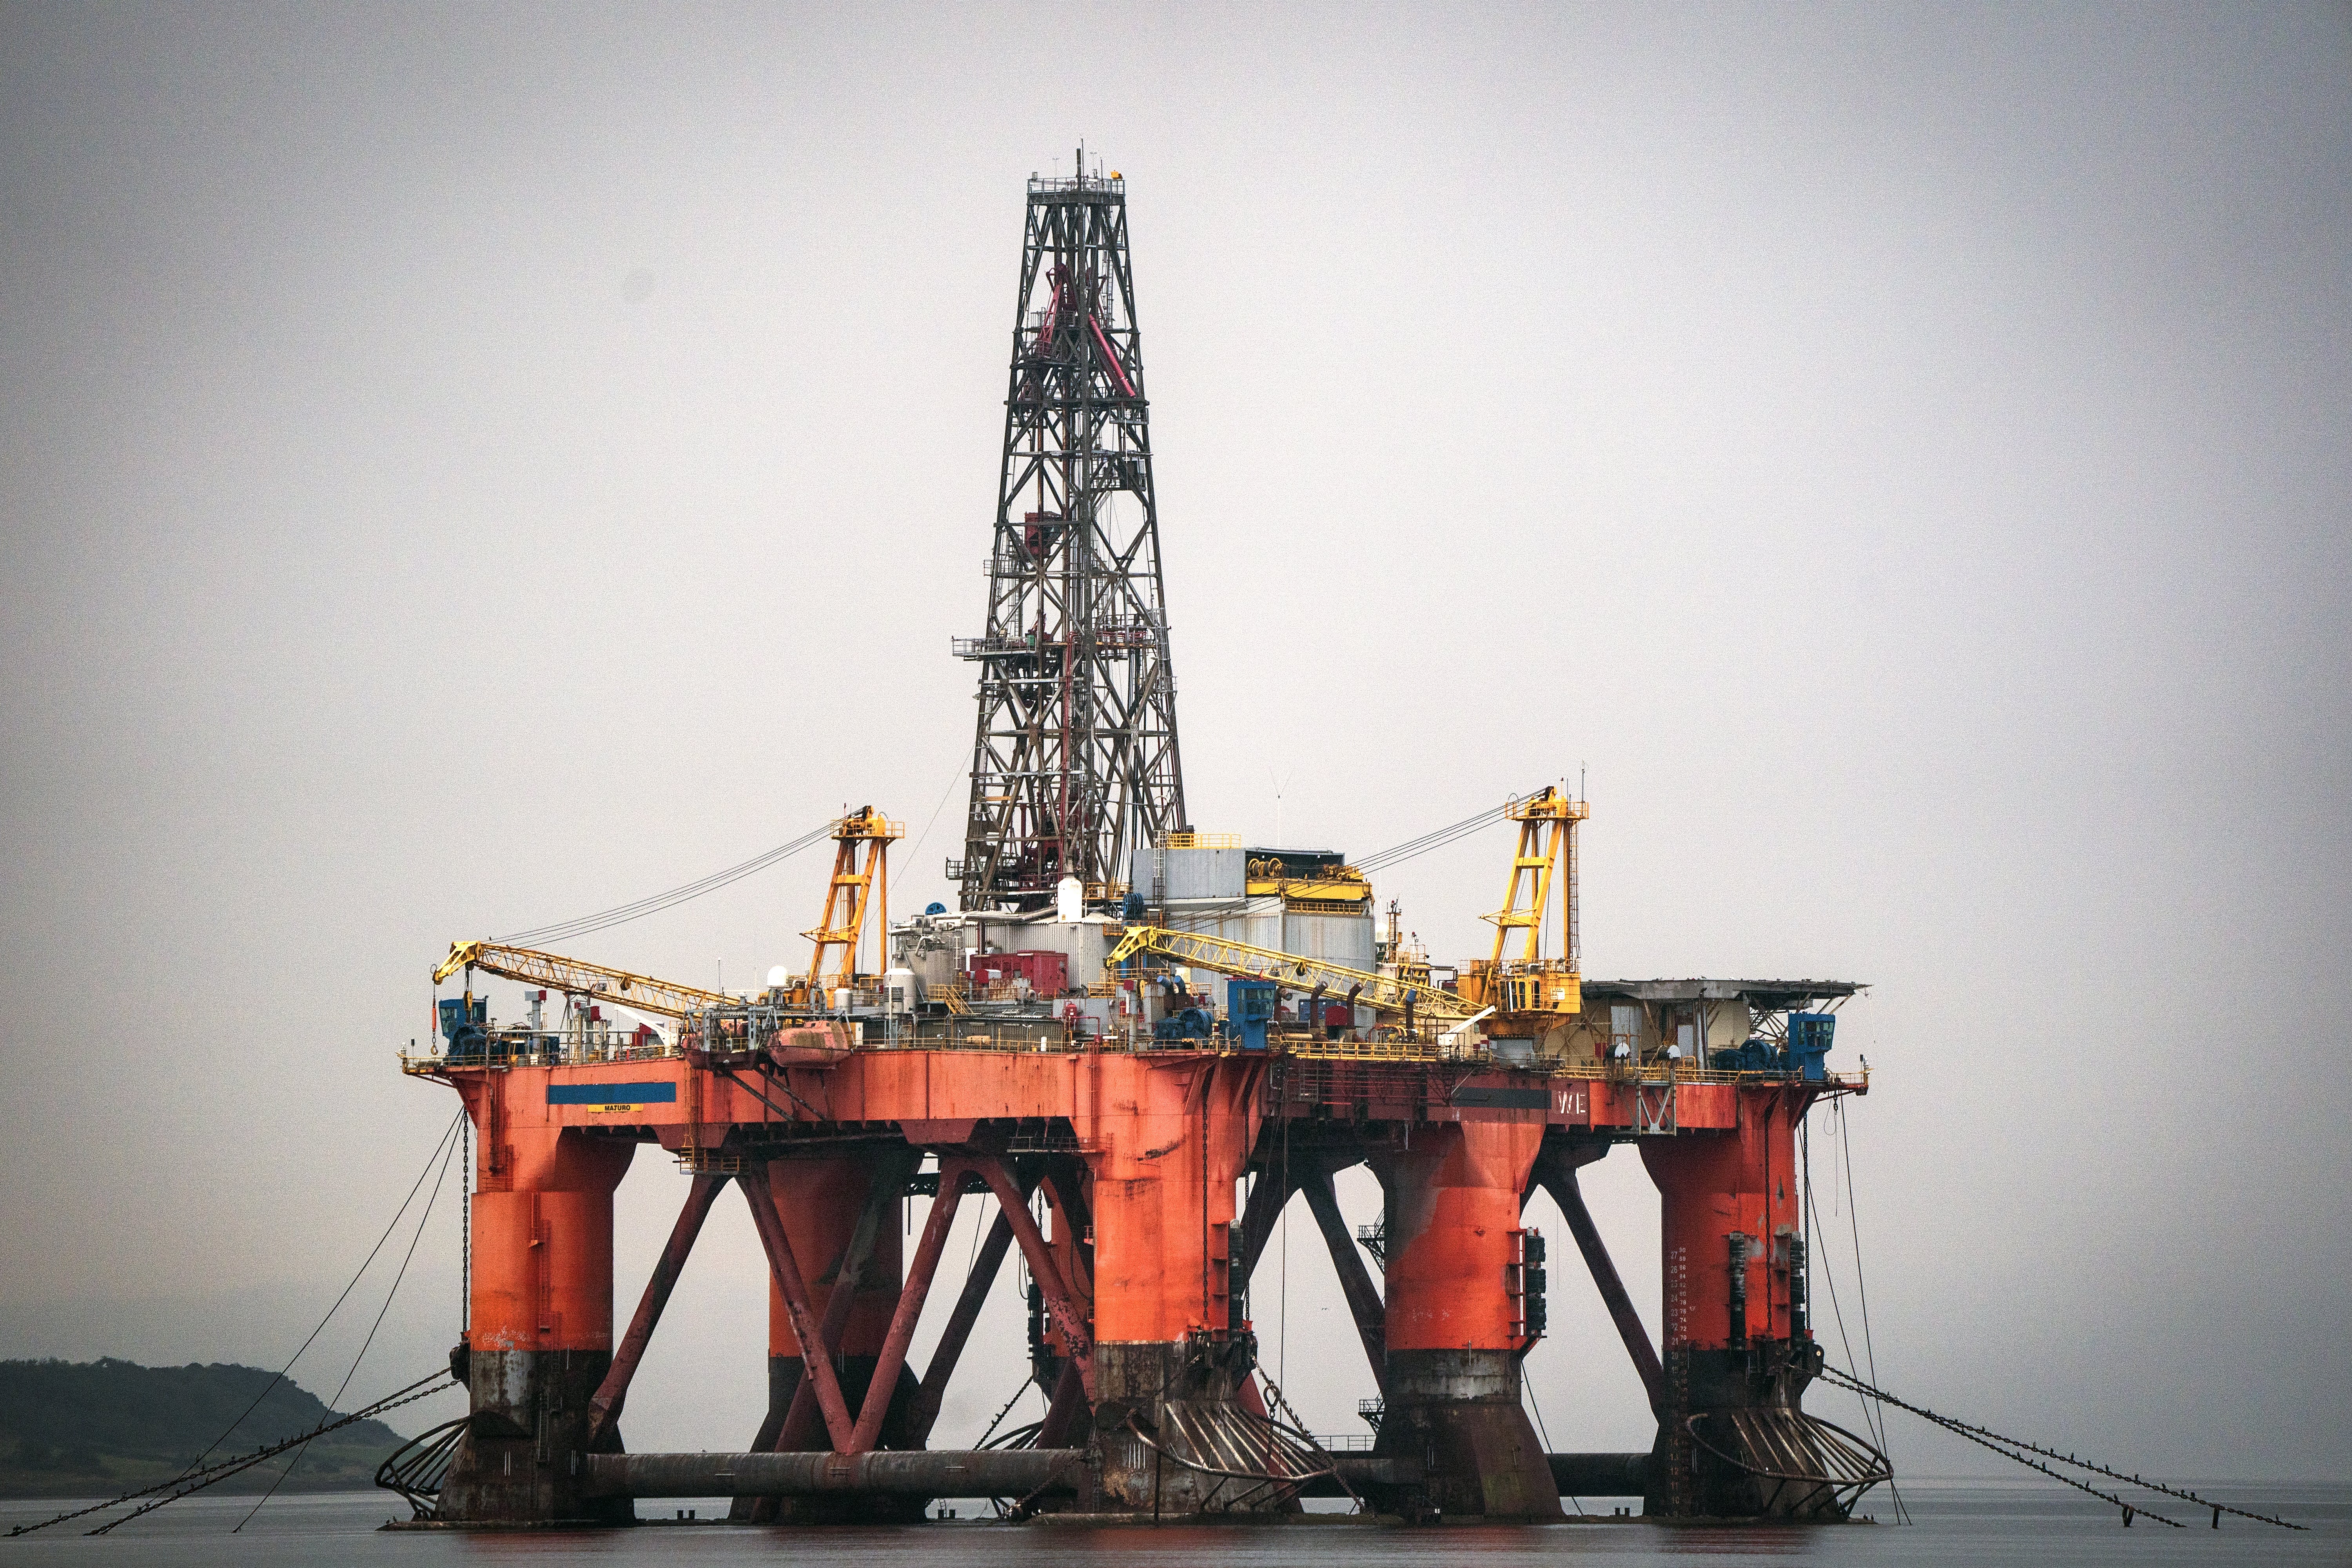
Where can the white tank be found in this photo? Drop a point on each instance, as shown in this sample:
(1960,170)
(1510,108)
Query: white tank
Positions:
(841,999)
(1069,898)
(898,991)
(779,976)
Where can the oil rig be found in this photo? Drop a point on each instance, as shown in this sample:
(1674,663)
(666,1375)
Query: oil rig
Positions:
(1132,1045)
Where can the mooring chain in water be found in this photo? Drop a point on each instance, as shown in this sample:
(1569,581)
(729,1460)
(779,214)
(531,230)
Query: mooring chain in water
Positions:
(389,1402)
(197,1480)
(1299,1424)
(1986,1437)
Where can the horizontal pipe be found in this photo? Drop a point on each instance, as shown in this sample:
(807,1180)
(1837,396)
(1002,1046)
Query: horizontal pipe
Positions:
(1361,1470)
(992,1472)
(943,1472)
(1600,1475)
(1000,1472)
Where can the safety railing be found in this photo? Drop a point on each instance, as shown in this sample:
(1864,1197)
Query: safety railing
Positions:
(988,647)
(1200,841)
(966,1032)
(971,1034)
(1041,185)
(544,1051)
(1314,1048)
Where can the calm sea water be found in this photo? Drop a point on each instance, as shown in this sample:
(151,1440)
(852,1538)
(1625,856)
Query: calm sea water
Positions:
(1957,1522)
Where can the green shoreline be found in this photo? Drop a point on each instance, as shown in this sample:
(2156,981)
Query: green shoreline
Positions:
(93,1429)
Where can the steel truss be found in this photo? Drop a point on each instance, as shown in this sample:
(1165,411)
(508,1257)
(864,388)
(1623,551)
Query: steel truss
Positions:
(1075,762)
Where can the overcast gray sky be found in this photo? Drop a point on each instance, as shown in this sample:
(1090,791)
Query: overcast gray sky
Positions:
(1903,455)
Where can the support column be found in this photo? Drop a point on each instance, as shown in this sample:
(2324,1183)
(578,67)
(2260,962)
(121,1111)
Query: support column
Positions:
(1453,1382)
(820,1200)
(539,1341)
(1168,1140)
(1733,1354)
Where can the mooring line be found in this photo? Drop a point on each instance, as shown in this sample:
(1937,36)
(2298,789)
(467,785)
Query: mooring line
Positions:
(344,1387)
(2018,1449)
(211,1474)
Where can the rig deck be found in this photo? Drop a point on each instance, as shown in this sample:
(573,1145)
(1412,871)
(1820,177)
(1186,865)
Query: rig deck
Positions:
(1142,1337)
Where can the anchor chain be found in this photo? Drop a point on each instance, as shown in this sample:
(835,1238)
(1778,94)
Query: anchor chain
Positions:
(2018,1448)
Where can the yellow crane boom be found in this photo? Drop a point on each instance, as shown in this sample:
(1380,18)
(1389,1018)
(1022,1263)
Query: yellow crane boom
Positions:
(1200,950)
(557,972)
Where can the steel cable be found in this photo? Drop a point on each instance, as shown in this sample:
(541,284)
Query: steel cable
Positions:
(621,915)
(341,1388)
(1984,1437)
(1861,1293)
(228,1467)
(197,1467)
(431,1160)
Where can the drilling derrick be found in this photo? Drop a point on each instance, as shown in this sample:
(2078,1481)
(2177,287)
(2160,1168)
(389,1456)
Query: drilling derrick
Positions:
(1074,761)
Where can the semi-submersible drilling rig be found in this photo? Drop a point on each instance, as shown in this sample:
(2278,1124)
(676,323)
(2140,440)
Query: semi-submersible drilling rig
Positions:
(1126,1024)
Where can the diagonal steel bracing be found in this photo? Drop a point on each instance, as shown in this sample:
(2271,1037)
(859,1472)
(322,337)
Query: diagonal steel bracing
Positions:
(1042,1269)
(985,1265)
(887,1178)
(1364,1297)
(613,1392)
(1555,1171)
(793,1286)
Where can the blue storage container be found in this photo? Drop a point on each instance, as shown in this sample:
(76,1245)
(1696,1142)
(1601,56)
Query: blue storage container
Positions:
(1249,1008)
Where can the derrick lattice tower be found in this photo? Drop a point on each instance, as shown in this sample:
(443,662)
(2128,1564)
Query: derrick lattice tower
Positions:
(1074,760)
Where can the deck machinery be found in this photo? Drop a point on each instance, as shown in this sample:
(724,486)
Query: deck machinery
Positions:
(1134,1083)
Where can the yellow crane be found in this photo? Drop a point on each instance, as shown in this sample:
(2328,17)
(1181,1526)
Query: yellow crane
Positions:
(853,888)
(574,977)
(1385,992)
(1546,846)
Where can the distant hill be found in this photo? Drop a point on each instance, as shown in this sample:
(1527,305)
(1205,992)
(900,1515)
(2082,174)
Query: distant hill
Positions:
(95,1428)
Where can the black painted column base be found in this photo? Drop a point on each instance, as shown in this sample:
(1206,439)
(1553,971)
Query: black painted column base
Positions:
(1148,1394)
(1733,1437)
(1457,1414)
(520,1461)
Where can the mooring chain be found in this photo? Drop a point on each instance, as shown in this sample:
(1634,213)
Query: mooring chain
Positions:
(1299,1424)
(1001,1415)
(1978,1435)
(388,1403)
(229,1466)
